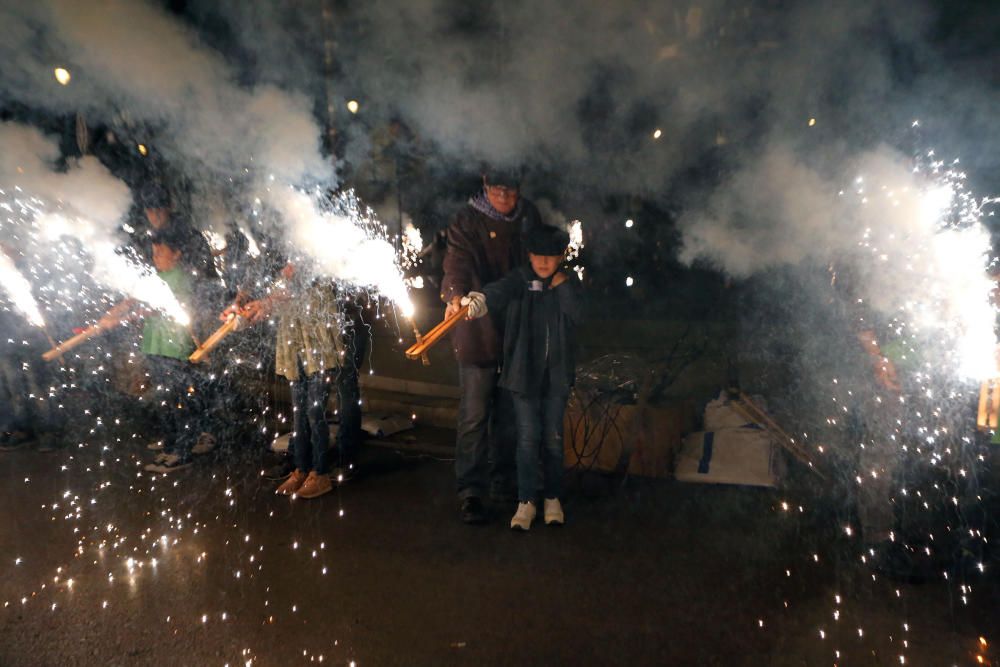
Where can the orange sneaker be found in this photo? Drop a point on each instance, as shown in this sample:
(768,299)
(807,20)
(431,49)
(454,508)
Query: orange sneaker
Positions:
(292,484)
(315,485)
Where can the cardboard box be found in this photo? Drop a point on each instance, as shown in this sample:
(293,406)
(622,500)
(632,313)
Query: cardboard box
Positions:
(596,434)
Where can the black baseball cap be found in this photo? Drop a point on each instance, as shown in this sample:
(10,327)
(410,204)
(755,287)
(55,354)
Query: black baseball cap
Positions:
(508,177)
(547,240)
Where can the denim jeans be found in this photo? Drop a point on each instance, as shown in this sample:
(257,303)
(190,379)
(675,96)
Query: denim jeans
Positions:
(539,432)
(177,410)
(28,393)
(484,444)
(349,396)
(310,431)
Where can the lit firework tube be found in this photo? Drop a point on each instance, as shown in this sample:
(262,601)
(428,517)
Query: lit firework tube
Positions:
(18,290)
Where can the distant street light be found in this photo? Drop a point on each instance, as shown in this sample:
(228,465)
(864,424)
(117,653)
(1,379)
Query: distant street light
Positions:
(353,106)
(62,75)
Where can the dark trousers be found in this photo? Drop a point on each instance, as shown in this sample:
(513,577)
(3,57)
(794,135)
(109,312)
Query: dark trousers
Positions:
(177,403)
(349,396)
(28,394)
(484,444)
(310,440)
(539,435)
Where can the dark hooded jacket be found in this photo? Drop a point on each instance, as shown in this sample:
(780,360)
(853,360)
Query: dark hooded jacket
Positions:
(539,341)
(483,248)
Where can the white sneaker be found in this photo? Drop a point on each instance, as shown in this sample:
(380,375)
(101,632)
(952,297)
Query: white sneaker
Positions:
(205,444)
(169,463)
(553,512)
(524,516)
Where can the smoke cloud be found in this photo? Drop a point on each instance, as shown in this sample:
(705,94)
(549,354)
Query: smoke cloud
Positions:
(747,119)
(85,202)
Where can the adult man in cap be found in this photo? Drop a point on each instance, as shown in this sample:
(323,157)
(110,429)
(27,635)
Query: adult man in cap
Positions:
(484,244)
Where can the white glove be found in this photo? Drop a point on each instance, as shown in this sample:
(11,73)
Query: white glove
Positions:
(476,301)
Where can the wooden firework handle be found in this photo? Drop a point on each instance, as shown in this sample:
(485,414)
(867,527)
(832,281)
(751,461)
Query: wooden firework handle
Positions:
(434,335)
(424,359)
(230,326)
(70,343)
(746,407)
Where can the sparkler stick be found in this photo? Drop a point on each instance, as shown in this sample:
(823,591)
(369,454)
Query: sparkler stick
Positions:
(116,312)
(420,337)
(75,341)
(749,409)
(231,325)
(52,342)
(435,334)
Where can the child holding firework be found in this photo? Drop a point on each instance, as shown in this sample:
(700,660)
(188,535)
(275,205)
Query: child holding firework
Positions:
(541,310)
(167,345)
(309,354)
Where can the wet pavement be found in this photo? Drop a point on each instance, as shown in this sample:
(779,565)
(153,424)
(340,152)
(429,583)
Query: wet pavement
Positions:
(107,565)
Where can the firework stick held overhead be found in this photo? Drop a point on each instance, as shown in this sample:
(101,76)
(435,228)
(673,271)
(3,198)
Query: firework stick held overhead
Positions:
(231,325)
(435,334)
(109,320)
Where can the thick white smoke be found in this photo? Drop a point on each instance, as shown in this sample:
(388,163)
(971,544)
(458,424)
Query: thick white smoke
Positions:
(84,201)
(133,58)
(911,239)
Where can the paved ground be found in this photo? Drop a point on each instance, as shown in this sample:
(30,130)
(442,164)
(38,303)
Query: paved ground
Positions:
(382,573)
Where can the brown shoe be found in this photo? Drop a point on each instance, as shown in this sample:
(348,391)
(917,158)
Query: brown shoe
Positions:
(315,485)
(292,484)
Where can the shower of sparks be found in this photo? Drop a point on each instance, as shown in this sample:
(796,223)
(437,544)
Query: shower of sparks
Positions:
(344,241)
(18,290)
(413,243)
(216,241)
(919,280)
(928,252)
(48,232)
(575,240)
(252,248)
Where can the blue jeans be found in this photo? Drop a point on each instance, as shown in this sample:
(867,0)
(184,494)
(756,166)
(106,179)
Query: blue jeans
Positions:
(349,396)
(23,374)
(310,431)
(539,432)
(484,452)
(176,409)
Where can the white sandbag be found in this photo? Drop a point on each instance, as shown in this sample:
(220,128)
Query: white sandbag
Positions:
(720,415)
(382,426)
(731,456)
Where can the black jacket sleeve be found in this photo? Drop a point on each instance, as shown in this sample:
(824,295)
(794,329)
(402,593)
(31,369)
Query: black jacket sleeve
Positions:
(570,299)
(501,292)
(459,259)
